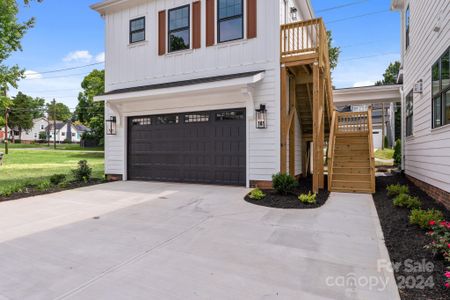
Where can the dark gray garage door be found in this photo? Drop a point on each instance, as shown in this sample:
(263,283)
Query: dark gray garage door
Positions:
(199,147)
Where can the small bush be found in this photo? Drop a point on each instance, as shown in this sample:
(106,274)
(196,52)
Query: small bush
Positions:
(83,172)
(405,200)
(257,194)
(11,189)
(64,184)
(440,236)
(283,183)
(44,186)
(56,179)
(398,152)
(424,217)
(397,189)
(307,198)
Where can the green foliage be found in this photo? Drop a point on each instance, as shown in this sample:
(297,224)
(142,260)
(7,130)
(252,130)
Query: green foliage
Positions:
(424,218)
(333,52)
(43,136)
(309,198)
(56,179)
(398,152)
(23,109)
(257,194)
(405,200)
(390,75)
(83,172)
(44,186)
(397,189)
(440,236)
(283,183)
(58,111)
(88,112)
(6,191)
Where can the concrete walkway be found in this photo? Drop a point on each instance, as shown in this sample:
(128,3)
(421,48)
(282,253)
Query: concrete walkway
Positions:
(135,240)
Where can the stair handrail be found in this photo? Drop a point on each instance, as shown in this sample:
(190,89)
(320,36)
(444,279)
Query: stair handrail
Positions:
(331,145)
(371,150)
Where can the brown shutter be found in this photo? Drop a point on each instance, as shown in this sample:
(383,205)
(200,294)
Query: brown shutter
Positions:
(196,25)
(210,23)
(251,19)
(162,32)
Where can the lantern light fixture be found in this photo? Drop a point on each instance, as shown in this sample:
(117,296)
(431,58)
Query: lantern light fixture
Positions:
(261,117)
(111,126)
(294,12)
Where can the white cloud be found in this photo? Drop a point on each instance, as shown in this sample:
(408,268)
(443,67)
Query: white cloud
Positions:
(364,83)
(30,74)
(80,55)
(100,57)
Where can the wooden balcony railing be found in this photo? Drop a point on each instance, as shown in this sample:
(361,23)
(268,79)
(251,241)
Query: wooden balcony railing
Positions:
(352,122)
(304,37)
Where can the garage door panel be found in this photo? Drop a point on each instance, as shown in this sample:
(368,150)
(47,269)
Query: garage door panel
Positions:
(199,147)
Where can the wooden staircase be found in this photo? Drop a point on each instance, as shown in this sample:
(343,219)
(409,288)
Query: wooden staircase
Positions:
(351,163)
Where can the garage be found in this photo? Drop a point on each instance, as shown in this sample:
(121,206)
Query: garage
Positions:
(197,147)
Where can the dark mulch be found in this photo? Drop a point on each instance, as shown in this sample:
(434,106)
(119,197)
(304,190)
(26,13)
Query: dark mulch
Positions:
(275,200)
(405,241)
(32,191)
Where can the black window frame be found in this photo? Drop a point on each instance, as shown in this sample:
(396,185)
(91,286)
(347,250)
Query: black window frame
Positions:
(409,114)
(219,20)
(188,28)
(441,94)
(137,31)
(407,26)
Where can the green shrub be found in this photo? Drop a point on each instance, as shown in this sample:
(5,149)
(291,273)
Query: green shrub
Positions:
(257,194)
(398,152)
(44,186)
(57,178)
(397,189)
(83,172)
(307,198)
(283,183)
(64,184)
(7,191)
(423,217)
(405,200)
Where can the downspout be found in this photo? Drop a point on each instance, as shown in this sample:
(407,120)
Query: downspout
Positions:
(403,129)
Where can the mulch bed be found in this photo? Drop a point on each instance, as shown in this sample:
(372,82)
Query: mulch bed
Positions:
(291,201)
(32,191)
(405,241)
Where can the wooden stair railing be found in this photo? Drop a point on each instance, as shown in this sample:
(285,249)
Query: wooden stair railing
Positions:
(331,144)
(371,150)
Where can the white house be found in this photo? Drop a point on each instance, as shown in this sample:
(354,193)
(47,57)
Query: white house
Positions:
(66,132)
(425,58)
(31,135)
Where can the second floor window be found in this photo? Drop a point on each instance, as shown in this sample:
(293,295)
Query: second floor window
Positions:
(230,19)
(409,113)
(440,73)
(407,15)
(179,28)
(137,30)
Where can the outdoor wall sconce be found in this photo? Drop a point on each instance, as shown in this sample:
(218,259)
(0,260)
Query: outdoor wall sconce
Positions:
(261,117)
(294,11)
(111,126)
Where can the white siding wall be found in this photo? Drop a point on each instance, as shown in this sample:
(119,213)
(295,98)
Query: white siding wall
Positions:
(427,152)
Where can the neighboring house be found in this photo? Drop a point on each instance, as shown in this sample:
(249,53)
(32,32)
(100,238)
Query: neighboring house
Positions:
(211,92)
(31,135)
(67,132)
(425,58)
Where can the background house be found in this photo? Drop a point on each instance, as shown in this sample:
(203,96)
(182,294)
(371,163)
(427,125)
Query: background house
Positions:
(67,132)
(425,75)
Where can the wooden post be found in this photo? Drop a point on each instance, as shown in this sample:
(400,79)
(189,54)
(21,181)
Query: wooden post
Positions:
(292,115)
(283,119)
(321,130)
(316,146)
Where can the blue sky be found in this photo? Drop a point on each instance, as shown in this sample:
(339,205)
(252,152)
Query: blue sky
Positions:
(69,34)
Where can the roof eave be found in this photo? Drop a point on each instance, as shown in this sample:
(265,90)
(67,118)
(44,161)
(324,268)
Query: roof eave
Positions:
(397,4)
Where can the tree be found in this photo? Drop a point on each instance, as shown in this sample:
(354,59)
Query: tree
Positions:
(88,112)
(390,75)
(23,110)
(58,111)
(11,33)
(5,103)
(333,52)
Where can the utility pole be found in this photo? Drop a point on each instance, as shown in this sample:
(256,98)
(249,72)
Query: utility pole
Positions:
(6,130)
(54,123)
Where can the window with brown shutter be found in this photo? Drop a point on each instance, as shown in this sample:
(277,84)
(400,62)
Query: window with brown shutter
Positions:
(210,27)
(251,19)
(196,25)
(162,32)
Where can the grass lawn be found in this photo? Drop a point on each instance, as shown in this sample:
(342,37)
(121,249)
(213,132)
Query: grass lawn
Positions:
(45,146)
(35,166)
(384,154)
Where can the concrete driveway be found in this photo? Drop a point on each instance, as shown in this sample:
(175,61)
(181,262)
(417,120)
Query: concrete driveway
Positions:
(136,240)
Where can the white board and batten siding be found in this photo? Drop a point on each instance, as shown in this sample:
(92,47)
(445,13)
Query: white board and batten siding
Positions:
(427,151)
